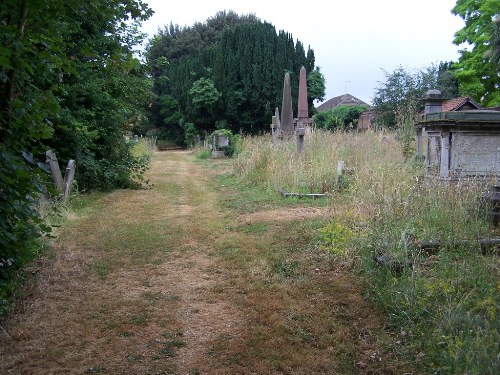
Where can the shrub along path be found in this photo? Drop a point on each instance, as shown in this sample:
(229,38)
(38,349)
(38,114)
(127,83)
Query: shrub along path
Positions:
(171,280)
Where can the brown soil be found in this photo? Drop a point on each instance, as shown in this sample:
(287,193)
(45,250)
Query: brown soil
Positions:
(153,282)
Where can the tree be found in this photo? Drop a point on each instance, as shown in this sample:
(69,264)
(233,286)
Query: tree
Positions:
(478,69)
(342,117)
(67,79)
(315,86)
(204,97)
(404,89)
(243,57)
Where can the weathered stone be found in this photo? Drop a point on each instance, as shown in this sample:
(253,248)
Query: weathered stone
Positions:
(303,111)
(462,144)
(69,176)
(51,160)
(300,139)
(223,141)
(216,154)
(286,108)
(278,122)
(433,101)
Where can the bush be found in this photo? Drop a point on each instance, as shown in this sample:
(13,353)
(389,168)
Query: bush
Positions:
(234,142)
(342,117)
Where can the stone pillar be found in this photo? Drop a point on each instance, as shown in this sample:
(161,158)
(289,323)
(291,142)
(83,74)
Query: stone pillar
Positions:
(303,110)
(273,129)
(278,123)
(419,141)
(433,102)
(300,140)
(286,107)
(444,167)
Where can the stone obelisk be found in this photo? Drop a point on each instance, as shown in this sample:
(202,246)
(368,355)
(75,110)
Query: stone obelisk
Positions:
(303,115)
(286,108)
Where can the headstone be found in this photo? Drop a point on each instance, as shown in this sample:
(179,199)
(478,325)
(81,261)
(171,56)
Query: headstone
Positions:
(54,168)
(69,176)
(303,111)
(223,141)
(286,108)
(273,129)
(278,122)
(300,139)
(340,174)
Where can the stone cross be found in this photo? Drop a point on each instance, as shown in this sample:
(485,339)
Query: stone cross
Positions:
(286,108)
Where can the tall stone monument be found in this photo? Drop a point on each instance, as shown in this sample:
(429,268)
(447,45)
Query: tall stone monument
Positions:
(286,108)
(303,115)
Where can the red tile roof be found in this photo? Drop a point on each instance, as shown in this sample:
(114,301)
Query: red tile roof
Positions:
(455,104)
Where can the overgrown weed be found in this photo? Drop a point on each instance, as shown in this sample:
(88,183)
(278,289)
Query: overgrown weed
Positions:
(443,307)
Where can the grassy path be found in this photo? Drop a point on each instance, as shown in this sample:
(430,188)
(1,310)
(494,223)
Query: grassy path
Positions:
(172,280)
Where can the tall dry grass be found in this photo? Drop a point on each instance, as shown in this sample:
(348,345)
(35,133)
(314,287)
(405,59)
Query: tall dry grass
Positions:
(444,307)
(282,167)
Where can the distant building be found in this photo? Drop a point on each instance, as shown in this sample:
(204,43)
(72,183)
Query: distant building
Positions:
(367,119)
(459,104)
(346,99)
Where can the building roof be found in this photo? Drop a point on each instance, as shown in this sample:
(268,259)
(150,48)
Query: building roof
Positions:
(346,99)
(456,103)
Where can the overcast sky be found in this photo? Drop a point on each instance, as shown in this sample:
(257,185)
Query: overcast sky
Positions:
(353,40)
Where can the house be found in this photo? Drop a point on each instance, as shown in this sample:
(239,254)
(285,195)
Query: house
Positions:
(459,104)
(346,99)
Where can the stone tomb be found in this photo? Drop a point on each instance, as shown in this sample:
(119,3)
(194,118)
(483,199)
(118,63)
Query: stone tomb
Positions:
(219,142)
(462,144)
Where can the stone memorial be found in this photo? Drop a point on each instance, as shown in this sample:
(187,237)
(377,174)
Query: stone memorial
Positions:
(303,119)
(63,185)
(300,139)
(286,108)
(460,144)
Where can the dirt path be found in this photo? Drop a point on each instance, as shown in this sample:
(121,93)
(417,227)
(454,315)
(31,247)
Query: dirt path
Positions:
(165,281)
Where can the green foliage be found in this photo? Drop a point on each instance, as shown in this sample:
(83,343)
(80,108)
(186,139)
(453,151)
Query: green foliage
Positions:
(402,88)
(229,69)
(478,66)
(336,238)
(234,141)
(447,304)
(342,117)
(315,86)
(204,94)
(68,81)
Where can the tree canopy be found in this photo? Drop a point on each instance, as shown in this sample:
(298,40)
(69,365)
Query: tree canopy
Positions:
(68,81)
(405,89)
(478,68)
(245,60)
